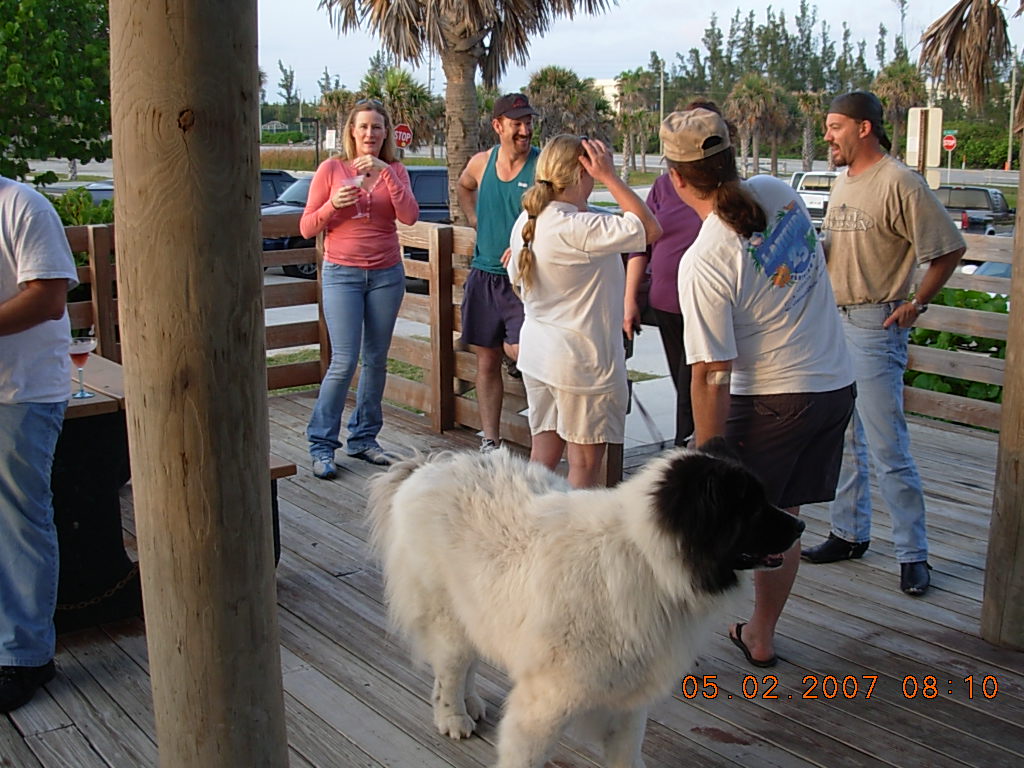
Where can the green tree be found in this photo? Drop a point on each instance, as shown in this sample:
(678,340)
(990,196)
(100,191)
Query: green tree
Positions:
(900,86)
(809,106)
(54,84)
(406,100)
(467,37)
(286,90)
(568,104)
(747,106)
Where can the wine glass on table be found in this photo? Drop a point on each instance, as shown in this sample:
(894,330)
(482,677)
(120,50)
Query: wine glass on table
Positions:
(80,349)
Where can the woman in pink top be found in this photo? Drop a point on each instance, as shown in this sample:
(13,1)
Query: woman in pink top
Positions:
(356,200)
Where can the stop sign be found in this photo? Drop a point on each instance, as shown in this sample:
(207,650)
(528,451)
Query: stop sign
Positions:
(403,135)
(948,142)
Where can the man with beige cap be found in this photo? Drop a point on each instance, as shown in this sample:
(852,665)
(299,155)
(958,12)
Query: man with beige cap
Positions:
(769,366)
(882,222)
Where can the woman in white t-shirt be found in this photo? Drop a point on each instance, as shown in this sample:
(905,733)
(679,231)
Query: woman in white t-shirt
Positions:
(770,370)
(566,265)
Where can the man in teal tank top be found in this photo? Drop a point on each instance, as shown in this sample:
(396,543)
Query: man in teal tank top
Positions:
(490,190)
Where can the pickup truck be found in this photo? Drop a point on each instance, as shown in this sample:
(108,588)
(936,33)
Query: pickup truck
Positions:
(814,188)
(982,210)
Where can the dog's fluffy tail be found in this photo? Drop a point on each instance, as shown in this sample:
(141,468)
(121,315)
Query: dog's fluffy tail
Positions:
(382,489)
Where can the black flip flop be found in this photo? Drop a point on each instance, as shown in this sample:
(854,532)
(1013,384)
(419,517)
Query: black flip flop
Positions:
(737,640)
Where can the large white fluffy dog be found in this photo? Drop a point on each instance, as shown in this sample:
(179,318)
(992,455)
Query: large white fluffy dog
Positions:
(594,602)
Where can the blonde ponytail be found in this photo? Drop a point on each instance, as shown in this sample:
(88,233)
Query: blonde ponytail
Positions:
(558,168)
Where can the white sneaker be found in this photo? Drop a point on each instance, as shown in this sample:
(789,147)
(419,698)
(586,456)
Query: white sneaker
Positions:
(488,446)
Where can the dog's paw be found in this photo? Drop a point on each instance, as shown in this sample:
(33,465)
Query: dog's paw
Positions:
(455,726)
(475,707)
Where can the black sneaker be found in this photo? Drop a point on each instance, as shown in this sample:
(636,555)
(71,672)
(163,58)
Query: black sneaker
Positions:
(833,549)
(19,684)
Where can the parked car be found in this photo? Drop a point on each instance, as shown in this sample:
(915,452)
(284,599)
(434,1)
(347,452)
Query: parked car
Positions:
(272,184)
(814,189)
(982,210)
(429,186)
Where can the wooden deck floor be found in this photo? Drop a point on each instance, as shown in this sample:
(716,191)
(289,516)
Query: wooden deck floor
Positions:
(353,699)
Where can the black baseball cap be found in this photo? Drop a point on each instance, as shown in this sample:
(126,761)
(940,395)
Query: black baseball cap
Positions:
(513,106)
(861,105)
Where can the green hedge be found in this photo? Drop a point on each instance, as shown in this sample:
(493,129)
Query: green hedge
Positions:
(955,297)
(283,137)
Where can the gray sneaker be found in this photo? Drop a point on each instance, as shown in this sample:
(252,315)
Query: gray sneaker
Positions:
(324,469)
(488,446)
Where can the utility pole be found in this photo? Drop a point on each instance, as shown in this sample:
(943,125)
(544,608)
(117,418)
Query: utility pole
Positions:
(1013,105)
(661,103)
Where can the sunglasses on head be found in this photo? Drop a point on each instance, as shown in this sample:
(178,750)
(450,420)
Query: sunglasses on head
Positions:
(371,102)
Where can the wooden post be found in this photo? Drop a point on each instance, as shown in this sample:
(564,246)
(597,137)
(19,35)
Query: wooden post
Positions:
(442,352)
(1002,610)
(184,108)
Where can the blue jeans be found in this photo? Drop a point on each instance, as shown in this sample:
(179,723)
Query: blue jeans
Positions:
(360,309)
(28,539)
(879,357)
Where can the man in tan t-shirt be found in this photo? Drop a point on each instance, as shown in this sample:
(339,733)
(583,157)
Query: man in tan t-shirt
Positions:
(882,222)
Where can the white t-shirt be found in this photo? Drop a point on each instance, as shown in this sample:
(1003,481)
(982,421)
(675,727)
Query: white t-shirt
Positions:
(572,332)
(765,303)
(34,364)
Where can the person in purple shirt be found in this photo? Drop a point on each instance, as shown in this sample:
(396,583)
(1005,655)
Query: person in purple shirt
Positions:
(680,225)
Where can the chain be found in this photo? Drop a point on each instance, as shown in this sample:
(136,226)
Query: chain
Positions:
(132,573)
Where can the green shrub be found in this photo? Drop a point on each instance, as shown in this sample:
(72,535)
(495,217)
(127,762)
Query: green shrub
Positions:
(955,297)
(283,137)
(76,207)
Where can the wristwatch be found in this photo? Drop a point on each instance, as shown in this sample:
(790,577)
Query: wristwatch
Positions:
(921,308)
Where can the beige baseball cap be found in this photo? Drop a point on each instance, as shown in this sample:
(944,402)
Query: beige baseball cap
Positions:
(693,135)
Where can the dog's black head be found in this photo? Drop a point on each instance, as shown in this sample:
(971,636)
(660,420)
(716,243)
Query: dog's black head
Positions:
(717,510)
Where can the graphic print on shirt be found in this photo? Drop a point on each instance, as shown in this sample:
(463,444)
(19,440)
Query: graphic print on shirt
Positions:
(785,252)
(846,218)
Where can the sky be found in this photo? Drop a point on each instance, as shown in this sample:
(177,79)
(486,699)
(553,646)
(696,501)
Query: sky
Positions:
(296,33)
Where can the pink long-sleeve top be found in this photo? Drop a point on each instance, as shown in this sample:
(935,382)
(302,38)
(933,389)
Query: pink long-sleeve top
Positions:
(366,243)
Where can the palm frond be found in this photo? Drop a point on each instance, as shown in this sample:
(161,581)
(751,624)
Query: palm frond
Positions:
(962,47)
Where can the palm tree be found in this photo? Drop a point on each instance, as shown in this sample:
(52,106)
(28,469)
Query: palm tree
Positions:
(406,100)
(900,86)
(746,106)
(808,104)
(778,122)
(567,104)
(467,36)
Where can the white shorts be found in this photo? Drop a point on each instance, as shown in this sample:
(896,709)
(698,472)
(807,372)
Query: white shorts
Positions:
(583,419)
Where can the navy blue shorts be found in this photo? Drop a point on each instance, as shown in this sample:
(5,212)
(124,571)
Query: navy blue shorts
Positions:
(792,442)
(491,311)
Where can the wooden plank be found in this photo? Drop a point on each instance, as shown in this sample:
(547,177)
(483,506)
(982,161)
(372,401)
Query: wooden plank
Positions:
(93,406)
(281,225)
(964,410)
(65,748)
(412,351)
(14,752)
(418,269)
(280,467)
(290,294)
(989,248)
(101,262)
(978,283)
(110,731)
(293,375)
(278,258)
(965,322)
(415,308)
(956,363)
(292,334)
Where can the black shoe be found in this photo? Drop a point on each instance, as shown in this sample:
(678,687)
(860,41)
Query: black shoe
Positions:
(833,549)
(914,577)
(19,684)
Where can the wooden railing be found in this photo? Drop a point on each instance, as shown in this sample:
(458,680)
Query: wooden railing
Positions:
(449,371)
(962,364)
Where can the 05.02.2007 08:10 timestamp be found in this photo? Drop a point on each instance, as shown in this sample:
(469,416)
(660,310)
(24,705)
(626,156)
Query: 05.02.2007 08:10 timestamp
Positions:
(848,687)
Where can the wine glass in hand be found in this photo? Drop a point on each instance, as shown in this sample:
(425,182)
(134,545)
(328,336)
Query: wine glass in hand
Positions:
(80,349)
